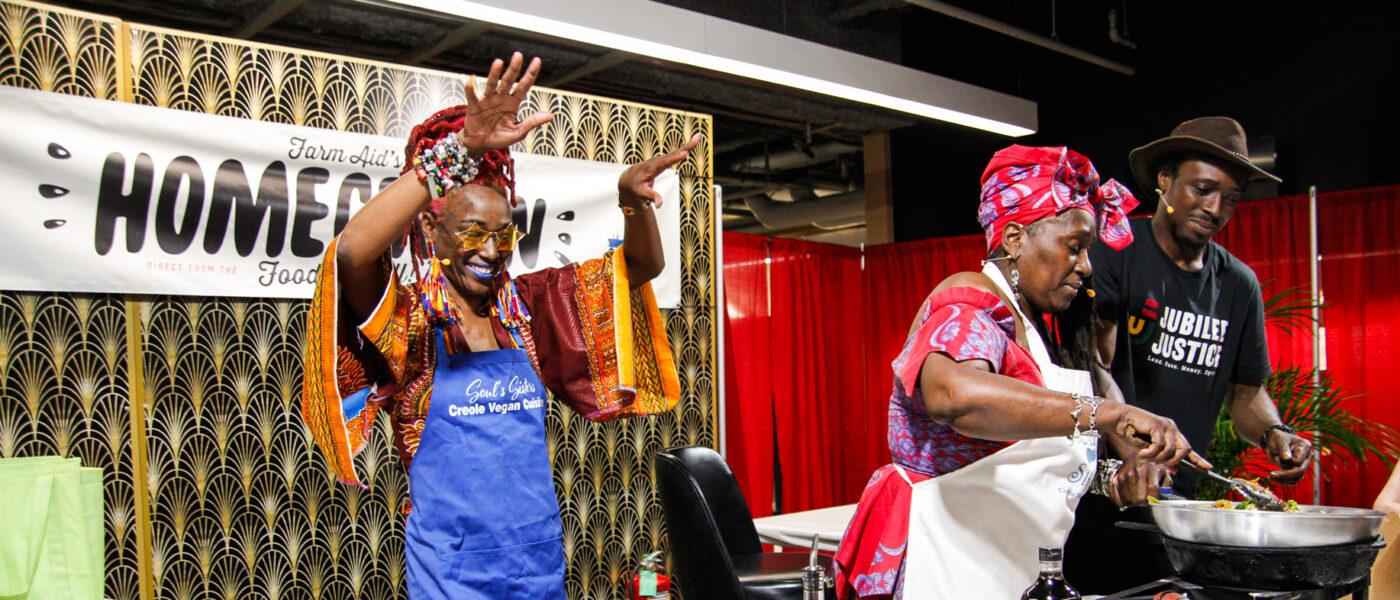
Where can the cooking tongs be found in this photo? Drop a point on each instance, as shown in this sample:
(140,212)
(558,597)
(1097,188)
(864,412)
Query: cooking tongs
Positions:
(1253,492)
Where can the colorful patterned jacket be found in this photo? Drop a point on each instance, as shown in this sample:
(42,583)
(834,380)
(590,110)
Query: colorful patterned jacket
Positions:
(597,344)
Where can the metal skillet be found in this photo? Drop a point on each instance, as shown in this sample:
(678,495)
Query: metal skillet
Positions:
(1268,568)
(1197,521)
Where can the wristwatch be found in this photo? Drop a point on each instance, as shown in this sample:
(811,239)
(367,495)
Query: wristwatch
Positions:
(1264,437)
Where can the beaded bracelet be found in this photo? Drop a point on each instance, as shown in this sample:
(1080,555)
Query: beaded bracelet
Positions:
(444,165)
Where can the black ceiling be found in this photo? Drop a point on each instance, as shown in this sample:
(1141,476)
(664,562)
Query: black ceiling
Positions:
(1315,78)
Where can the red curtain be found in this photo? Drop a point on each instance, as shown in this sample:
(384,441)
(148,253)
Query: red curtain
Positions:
(1271,236)
(898,279)
(794,377)
(1359,239)
(1359,235)
(748,368)
(817,383)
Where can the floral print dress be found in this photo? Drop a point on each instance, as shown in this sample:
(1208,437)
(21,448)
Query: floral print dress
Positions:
(962,323)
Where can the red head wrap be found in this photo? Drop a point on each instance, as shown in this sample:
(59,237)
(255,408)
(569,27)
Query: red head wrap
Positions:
(1024,184)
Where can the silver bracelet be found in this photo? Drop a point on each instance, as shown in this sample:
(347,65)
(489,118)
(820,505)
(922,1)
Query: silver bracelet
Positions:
(1078,406)
(1094,403)
(1108,468)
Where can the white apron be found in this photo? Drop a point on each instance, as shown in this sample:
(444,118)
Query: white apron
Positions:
(975,532)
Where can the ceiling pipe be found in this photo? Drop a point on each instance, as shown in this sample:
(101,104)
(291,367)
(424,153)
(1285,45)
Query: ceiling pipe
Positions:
(836,211)
(793,159)
(267,16)
(809,232)
(462,34)
(600,63)
(737,143)
(1113,35)
(1021,34)
(778,181)
(731,196)
(860,10)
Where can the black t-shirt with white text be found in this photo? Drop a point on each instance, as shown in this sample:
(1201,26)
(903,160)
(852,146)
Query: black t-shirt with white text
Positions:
(1183,337)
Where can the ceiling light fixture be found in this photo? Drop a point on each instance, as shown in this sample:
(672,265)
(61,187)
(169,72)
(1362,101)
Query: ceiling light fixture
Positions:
(681,36)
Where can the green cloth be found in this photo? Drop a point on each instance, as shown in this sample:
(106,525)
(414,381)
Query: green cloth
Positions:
(51,545)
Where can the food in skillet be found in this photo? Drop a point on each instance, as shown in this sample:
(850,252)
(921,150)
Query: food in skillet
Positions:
(1289,505)
(1275,503)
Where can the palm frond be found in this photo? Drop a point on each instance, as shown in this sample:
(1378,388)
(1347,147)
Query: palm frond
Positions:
(1290,309)
(1310,406)
(1317,406)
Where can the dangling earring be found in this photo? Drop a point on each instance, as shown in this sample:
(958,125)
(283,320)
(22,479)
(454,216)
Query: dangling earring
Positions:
(1163,199)
(1016,285)
(432,287)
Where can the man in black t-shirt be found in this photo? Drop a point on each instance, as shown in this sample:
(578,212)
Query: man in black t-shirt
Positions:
(1182,329)
(1185,339)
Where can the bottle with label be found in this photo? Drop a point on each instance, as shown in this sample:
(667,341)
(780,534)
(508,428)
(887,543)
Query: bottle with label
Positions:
(1051,584)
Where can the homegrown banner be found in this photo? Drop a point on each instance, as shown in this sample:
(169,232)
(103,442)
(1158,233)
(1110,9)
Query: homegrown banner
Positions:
(103,196)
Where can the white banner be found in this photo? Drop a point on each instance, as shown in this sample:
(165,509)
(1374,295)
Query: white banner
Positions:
(104,196)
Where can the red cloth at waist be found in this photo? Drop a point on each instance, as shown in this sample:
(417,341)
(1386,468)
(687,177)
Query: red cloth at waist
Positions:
(871,557)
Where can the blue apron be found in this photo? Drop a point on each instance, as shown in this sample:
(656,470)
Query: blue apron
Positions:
(485,521)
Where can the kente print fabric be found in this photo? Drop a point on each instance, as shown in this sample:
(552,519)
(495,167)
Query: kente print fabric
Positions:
(962,323)
(601,346)
(1025,184)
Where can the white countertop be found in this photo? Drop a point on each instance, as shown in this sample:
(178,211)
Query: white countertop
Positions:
(795,530)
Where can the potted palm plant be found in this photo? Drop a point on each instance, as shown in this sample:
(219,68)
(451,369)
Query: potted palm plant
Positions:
(1306,399)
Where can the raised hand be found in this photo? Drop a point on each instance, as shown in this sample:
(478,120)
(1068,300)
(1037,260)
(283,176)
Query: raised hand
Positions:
(492,120)
(636,185)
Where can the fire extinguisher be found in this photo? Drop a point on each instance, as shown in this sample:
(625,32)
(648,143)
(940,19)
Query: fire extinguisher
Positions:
(649,581)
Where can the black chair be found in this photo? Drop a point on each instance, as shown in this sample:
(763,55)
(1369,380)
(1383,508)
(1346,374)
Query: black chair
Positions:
(715,552)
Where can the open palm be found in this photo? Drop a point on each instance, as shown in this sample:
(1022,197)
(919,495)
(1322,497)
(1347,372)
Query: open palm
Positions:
(492,120)
(637,185)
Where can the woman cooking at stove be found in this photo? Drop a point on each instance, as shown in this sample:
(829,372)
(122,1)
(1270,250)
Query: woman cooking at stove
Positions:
(982,368)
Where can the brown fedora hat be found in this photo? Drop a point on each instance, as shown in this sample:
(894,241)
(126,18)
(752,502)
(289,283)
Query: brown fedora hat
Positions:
(1220,137)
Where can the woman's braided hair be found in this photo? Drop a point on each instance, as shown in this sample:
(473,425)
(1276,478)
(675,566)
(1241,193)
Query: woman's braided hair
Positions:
(495,170)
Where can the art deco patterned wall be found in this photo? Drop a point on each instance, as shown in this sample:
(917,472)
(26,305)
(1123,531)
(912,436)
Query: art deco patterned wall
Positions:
(240,503)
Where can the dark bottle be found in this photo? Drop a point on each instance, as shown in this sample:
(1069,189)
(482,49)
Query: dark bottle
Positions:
(1051,585)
